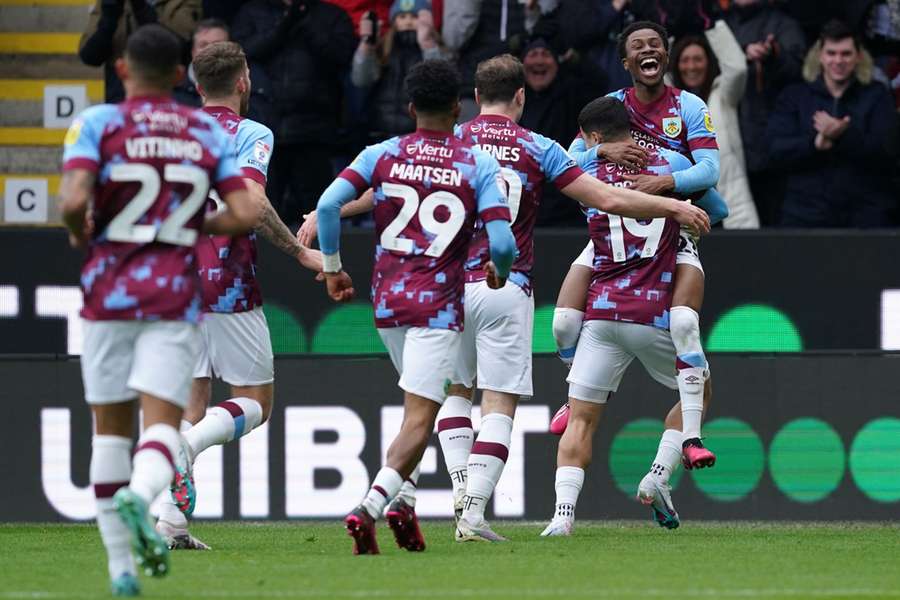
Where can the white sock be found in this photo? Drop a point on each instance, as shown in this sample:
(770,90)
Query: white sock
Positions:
(668,455)
(223,423)
(566,331)
(386,485)
(486,462)
(185,425)
(154,461)
(407,491)
(684,324)
(456,435)
(568,485)
(170,514)
(111,470)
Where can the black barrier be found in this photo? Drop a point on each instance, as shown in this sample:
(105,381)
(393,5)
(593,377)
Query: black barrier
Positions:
(798,437)
(819,290)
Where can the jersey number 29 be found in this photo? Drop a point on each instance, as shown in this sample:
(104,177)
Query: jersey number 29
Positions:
(124,227)
(444,232)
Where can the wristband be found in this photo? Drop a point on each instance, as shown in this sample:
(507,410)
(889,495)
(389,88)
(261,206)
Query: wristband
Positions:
(331,263)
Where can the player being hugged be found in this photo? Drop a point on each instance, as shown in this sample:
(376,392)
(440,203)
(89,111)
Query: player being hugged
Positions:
(662,117)
(135,179)
(429,188)
(235,342)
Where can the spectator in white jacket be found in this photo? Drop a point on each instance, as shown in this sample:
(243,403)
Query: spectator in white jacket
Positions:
(714,67)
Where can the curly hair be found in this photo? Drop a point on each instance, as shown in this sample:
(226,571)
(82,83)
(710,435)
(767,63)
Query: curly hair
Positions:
(637,26)
(433,86)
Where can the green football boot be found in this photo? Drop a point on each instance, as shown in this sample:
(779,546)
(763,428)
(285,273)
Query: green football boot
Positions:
(150,549)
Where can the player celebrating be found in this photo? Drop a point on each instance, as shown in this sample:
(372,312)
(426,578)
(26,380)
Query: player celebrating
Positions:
(496,344)
(135,178)
(627,315)
(234,333)
(605,120)
(429,188)
(664,117)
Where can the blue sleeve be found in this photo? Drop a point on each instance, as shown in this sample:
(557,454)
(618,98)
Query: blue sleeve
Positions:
(328,211)
(554,160)
(699,125)
(228,166)
(703,175)
(360,171)
(81,147)
(714,205)
(493,209)
(583,157)
(254,147)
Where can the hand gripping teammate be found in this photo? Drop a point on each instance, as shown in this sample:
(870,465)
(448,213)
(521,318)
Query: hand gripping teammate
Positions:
(135,179)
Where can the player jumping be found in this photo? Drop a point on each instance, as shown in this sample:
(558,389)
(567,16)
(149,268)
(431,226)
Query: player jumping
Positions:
(135,179)
(235,342)
(429,188)
(662,117)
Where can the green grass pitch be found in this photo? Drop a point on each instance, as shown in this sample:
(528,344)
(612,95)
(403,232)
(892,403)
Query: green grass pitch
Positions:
(602,560)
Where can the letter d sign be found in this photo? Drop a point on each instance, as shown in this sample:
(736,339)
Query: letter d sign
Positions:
(62,103)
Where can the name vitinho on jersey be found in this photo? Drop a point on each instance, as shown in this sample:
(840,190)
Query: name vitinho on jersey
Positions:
(501,153)
(163,147)
(438,175)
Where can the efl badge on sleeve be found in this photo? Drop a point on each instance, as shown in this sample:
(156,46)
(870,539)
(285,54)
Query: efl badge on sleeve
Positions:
(707,121)
(262,152)
(672,126)
(73,133)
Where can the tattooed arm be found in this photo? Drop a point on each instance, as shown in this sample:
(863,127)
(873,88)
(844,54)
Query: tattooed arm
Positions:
(271,227)
(75,192)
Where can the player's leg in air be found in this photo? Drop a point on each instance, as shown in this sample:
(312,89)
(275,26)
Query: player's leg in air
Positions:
(237,347)
(690,362)
(567,319)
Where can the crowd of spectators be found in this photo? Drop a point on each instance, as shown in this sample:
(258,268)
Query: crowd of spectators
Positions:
(803,93)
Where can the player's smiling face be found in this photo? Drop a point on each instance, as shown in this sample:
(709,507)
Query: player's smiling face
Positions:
(646,57)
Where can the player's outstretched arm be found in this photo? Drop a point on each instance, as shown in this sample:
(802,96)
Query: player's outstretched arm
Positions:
(714,205)
(637,205)
(337,282)
(272,228)
(75,191)
(307,232)
(240,215)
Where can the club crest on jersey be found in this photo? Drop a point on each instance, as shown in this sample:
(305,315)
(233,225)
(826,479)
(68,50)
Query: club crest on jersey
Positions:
(262,151)
(672,126)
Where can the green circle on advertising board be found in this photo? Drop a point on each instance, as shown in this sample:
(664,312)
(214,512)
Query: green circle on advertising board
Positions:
(348,329)
(632,451)
(740,460)
(806,460)
(542,339)
(875,459)
(754,328)
(286,332)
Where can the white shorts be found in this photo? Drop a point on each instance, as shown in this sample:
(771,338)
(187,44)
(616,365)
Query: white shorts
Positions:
(606,348)
(236,347)
(424,358)
(495,344)
(688,253)
(121,359)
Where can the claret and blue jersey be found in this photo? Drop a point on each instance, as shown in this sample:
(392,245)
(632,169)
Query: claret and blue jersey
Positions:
(528,160)
(228,265)
(155,161)
(429,189)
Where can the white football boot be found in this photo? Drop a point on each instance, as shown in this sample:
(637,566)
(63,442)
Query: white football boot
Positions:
(658,496)
(479,532)
(559,526)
